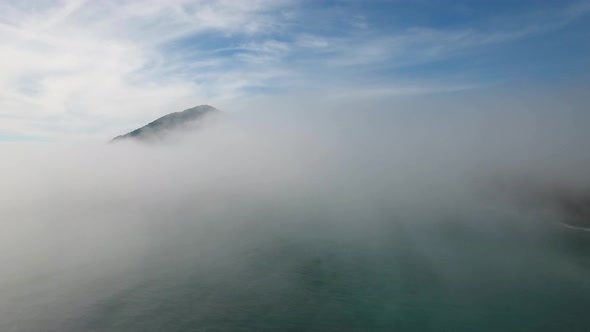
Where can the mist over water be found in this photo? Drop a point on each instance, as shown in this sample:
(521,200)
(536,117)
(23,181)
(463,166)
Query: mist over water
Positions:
(315,221)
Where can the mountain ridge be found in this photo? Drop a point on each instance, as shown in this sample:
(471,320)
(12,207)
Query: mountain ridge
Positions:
(168,123)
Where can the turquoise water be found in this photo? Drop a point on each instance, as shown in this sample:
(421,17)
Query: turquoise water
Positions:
(445,277)
(386,276)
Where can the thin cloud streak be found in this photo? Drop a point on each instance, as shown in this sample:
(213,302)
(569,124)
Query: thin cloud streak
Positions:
(99,68)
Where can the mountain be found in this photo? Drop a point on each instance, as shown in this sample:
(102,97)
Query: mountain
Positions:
(170,123)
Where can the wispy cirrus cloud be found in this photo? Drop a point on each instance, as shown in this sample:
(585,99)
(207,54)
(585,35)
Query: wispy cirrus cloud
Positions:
(77,68)
(77,65)
(419,44)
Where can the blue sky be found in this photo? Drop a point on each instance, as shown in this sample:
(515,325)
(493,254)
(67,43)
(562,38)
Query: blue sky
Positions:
(77,68)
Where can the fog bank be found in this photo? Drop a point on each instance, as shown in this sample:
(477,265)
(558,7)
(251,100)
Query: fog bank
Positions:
(242,212)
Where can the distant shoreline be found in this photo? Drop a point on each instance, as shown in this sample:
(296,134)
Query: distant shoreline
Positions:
(577,228)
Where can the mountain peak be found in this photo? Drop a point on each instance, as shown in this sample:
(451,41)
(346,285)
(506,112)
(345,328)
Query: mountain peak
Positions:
(173,122)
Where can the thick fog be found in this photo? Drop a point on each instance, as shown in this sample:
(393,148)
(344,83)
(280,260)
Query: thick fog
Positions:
(243,214)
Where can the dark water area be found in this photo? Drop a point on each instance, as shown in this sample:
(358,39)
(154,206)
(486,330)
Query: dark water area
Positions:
(448,276)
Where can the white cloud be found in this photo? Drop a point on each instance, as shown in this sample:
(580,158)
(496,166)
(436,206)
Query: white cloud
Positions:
(75,66)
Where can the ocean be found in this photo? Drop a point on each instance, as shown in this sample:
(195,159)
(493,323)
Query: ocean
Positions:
(452,275)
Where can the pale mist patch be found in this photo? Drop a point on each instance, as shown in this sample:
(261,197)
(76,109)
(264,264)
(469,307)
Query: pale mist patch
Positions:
(243,207)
